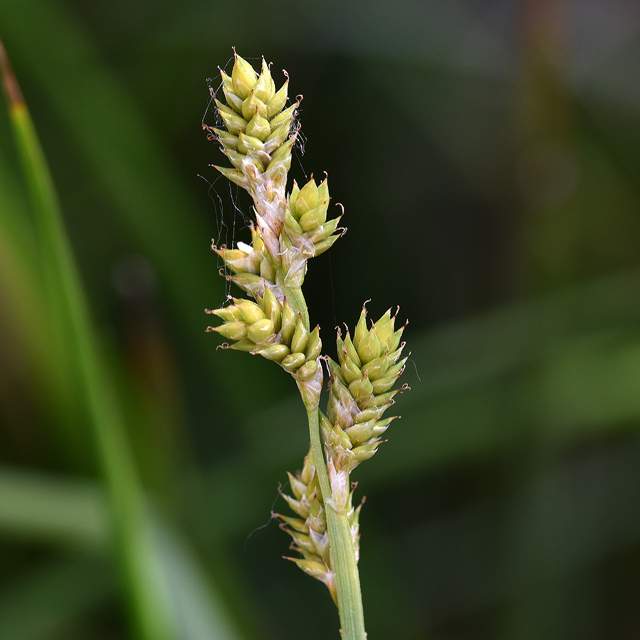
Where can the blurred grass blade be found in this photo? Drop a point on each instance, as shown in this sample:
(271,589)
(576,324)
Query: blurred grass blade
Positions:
(147,599)
(49,599)
(71,513)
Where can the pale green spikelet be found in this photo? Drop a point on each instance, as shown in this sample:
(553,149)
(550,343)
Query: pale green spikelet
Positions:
(258,127)
(257,134)
(360,390)
(309,529)
(271,329)
(306,218)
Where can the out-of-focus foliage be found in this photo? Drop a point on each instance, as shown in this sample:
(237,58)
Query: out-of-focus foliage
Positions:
(488,158)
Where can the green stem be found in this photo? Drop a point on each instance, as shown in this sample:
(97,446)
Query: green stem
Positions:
(343,556)
(345,565)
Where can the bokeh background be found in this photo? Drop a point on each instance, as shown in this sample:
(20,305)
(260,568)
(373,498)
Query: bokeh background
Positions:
(487,154)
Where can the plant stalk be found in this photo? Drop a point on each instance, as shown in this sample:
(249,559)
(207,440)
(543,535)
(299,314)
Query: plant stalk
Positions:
(343,557)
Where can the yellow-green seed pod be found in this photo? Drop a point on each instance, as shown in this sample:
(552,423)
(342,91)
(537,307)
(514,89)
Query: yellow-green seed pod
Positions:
(247,144)
(250,311)
(232,330)
(360,432)
(361,328)
(369,346)
(381,426)
(300,337)
(396,369)
(336,437)
(383,384)
(296,523)
(325,245)
(235,176)
(313,219)
(243,77)
(284,117)
(234,123)
(261,331)
(298,487)
(291,225)
(258,127)
(372,413)
(314,568)
(314,345)
(350,371)
(293,362)
(307,199)
(361,388)
(307,370)
(226,139)
(365,451)
(228,314)
(243,345)
(234,101)
(350,351)
(271,308)
(276,352)
(288,323)
(376,368)
(276,104)
(276,138)
(264,88)
(384,328)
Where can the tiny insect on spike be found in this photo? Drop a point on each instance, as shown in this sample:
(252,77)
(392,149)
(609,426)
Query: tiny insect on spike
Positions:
(243,77)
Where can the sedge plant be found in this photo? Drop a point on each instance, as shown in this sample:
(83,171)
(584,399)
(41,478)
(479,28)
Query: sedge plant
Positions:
(257,131)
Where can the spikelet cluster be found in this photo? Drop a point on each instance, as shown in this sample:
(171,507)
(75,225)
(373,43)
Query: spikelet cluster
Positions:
(275,331)
(360,392)
(258,132)
(309,529)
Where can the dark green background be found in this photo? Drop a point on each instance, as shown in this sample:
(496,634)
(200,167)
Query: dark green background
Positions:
(487,155)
